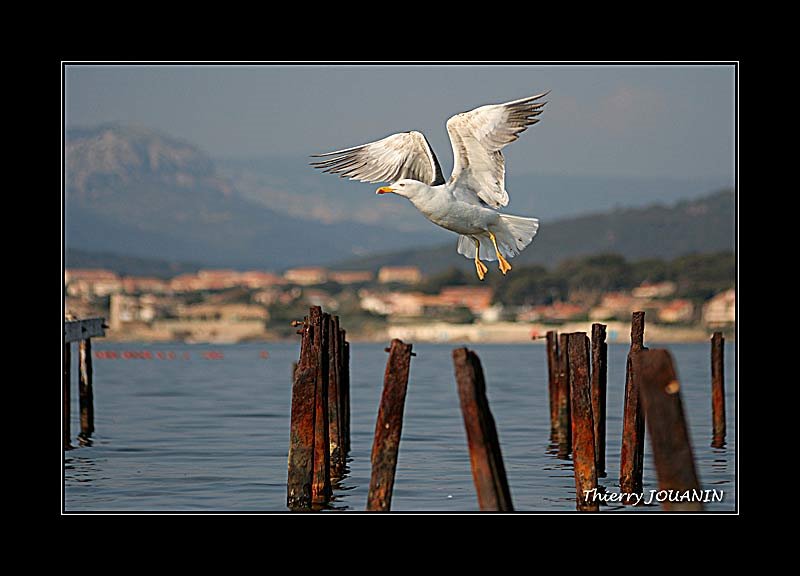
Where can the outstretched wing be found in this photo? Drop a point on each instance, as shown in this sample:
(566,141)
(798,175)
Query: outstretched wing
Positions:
(478,138)
(404,155)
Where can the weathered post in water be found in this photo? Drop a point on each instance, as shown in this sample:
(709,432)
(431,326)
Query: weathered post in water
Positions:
(669,433)
(599,385)
(85,389)
(564,422)
(321,488)
(632,454)
(486,459)
(389,427)
(301,439)
(583,456)
(334,398)
(552,381)
(718,389)
(65,400)
(346,391)
(80,331)
(320,411)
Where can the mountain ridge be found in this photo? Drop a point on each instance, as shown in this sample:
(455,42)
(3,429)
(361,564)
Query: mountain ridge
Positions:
(141,194)
(290,183)
(704,225)
(440,257)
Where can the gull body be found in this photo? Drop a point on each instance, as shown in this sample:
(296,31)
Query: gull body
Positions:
(441,205)
(468,202)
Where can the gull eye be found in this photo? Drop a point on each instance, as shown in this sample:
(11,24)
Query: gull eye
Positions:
(401,185)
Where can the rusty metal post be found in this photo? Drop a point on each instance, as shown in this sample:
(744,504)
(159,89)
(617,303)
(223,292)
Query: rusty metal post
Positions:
(669,434)
(631,459)
(718,389)
(334,401)
(599,385)
(564,423)
(321,487)
(389,427)
(340,393)
(301,440)
(485,456)
(65,411)
(552,381)
(583,456)
(346,391)
(85,390)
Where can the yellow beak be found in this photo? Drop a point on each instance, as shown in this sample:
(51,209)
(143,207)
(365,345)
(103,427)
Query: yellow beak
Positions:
(384,190)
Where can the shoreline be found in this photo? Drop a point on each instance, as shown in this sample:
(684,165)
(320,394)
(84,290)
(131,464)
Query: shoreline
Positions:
(444,332)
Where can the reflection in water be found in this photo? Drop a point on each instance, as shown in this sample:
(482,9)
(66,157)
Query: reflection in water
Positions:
(720,461)
(338,485)
(79,469)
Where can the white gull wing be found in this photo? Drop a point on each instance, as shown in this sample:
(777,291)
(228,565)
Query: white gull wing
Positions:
(479,136)
(403,155)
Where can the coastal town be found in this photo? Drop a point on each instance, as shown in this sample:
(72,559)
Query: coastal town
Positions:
(228,306)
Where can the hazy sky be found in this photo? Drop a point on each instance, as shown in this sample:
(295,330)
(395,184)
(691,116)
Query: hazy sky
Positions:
(642,121)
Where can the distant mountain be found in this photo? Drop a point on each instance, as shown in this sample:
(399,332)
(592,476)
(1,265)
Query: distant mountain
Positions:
(696,226)
(139,193)
(290,186)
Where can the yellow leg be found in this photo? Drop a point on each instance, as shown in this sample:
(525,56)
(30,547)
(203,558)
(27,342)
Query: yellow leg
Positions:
(504,265)
(480,267)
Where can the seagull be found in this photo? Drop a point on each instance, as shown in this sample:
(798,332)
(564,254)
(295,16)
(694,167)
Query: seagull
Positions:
(468,202)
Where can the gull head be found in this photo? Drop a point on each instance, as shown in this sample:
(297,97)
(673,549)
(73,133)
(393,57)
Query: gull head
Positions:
(405,187)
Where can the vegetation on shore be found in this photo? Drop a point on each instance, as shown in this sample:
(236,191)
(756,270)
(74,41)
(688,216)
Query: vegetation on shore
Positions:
(697,277)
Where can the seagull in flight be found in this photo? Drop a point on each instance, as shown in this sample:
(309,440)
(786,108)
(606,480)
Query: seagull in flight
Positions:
(468,202)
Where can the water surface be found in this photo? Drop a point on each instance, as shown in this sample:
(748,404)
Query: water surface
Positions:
(200,432)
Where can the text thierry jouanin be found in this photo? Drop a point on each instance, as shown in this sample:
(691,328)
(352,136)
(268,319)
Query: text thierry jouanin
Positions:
(657,496)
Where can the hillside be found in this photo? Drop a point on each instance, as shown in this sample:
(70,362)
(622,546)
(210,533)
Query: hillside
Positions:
(289,185)
(144,195)
(139,193)
(696,226)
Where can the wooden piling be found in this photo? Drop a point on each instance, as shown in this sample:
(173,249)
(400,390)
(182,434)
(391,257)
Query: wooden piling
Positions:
(488,471)
(599,385)
(79,331)
(346,392)
(718,389)
(659,387)
(334,399)
(564,424)
(552,381)
(321,486)
(301,441)
(632,453)
(388,427)
(85,389)
(583,456)
(65,408)
(340,389)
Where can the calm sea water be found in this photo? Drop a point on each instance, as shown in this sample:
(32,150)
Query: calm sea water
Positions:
(193,431)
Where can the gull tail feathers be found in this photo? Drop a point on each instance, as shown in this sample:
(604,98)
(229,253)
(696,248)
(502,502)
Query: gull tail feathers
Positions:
(513,234)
